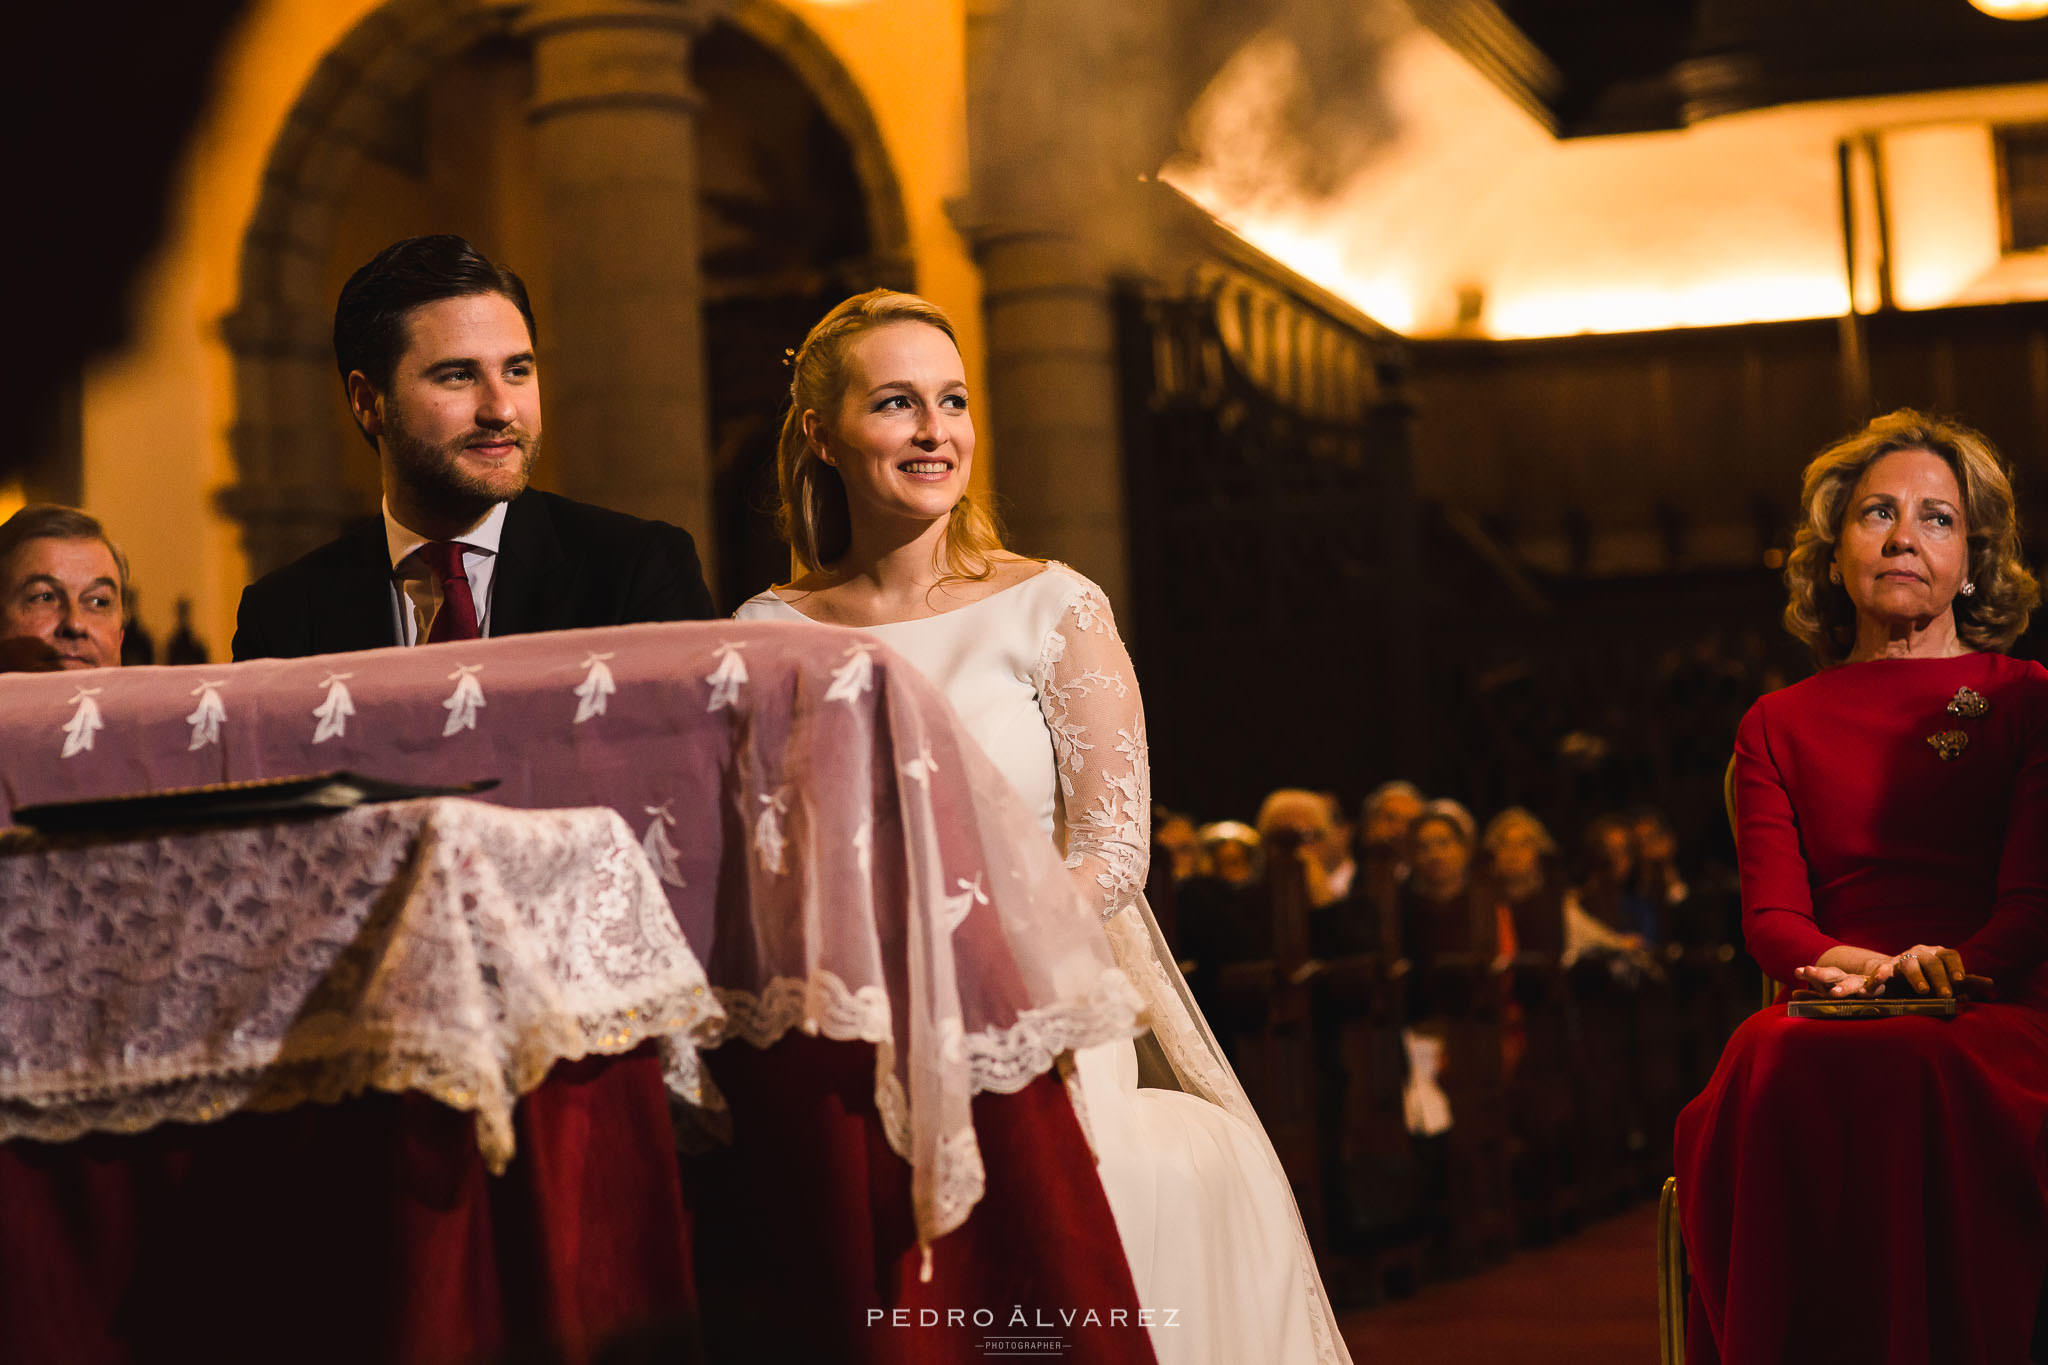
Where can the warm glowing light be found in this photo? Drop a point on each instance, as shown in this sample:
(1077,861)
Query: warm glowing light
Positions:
(1317,253)
(1320,257)
(12,500)
(2013,9)
(1710,303)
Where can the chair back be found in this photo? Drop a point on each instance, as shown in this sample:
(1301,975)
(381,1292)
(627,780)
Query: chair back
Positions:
(1728,796)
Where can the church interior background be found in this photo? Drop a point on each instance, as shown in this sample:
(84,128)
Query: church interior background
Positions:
(1451,361)
(1503,327)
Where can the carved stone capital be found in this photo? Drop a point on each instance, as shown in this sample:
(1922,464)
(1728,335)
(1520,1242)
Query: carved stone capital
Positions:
(611,54)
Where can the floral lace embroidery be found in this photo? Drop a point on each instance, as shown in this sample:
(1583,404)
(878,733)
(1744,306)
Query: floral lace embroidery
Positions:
(447,947)
(1091,706)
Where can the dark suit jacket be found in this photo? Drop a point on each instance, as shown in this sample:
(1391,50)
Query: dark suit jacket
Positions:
(561,565)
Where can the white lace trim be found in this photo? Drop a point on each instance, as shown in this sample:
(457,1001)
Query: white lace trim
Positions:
(1000,1060)
(1007,1060)
(446,947)
(461,1073)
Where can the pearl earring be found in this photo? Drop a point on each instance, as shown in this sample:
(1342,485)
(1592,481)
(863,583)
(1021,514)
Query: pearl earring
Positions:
(1834,573)
(1968,590)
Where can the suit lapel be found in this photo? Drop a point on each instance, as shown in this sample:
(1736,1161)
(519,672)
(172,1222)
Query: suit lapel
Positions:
(530,585)
(358,614)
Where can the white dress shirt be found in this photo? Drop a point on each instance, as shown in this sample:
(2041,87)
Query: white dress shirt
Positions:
(415,593)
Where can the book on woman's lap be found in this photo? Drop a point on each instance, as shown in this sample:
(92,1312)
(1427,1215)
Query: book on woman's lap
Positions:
(1883,1007)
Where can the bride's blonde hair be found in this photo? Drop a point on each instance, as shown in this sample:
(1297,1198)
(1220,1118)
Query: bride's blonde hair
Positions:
(814,515)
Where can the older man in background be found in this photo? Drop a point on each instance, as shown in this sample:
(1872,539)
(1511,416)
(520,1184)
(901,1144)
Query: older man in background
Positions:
(1390,809)
(1342,921)
(63,591)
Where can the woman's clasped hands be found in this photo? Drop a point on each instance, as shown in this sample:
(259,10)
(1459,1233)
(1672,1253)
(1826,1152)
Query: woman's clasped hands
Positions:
(1923,969)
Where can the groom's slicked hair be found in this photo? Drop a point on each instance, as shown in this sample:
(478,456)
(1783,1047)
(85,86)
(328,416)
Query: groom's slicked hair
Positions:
(371,317)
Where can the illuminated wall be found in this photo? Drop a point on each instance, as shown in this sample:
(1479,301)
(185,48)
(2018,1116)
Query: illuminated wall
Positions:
(158,412)
(1733,220)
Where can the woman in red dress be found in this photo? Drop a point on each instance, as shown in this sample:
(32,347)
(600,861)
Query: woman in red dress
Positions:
(1878,1190)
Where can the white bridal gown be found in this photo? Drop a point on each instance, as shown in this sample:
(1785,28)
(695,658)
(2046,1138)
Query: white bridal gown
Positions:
(1040,678)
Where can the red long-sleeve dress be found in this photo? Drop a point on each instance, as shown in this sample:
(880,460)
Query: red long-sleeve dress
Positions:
(1878,1190)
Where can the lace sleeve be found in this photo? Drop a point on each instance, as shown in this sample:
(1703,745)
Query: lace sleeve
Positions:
(1089,696)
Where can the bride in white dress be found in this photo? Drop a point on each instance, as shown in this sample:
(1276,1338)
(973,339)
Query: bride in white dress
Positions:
(873,468)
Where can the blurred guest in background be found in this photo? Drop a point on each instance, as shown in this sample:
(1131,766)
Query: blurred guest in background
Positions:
(1339,922)
(1622,890)
(1535,911)
(1389,810)
(1521,868)
(1339,859)
(1231,850)
(185,646)
(1175,834)
(138,646)
(63,591)
(1325,861)
(1222,912)
(1539,914)
(1438,912)
(1659,889)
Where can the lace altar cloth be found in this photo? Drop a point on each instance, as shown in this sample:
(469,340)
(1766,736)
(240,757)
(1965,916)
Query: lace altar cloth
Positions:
(447,947)
(844,861)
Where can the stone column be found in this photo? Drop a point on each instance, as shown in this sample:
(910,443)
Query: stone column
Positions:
(1053,401)
(622,377)
(1049,215)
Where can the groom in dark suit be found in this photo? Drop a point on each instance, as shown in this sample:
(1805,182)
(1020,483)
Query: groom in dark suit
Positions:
(435,345)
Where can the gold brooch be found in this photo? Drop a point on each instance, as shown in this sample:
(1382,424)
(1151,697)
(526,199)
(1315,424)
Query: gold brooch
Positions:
(1967,703)
(1949,743)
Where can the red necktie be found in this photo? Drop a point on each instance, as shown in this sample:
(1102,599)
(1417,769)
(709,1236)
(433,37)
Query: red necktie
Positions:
(456,620)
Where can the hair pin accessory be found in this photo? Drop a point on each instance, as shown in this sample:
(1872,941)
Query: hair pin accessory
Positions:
(789,355)
(1949,744)
(1968,704)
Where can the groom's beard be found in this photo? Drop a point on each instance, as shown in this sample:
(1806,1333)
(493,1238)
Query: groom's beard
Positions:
(447,478)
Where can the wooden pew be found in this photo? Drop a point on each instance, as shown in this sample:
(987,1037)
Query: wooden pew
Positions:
(1477,1215)
(1371,1178)
(1542,1113)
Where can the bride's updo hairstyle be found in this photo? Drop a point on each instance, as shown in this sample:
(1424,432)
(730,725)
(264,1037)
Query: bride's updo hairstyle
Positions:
(814,515)
(1991,618)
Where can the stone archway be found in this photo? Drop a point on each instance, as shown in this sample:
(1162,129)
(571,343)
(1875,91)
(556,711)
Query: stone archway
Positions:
(782,31)
(290,493)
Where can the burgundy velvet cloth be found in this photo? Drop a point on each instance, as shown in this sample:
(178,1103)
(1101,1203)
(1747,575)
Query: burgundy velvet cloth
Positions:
(363,1231)
(805,1246)
(370,1232)
(1878,1190)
